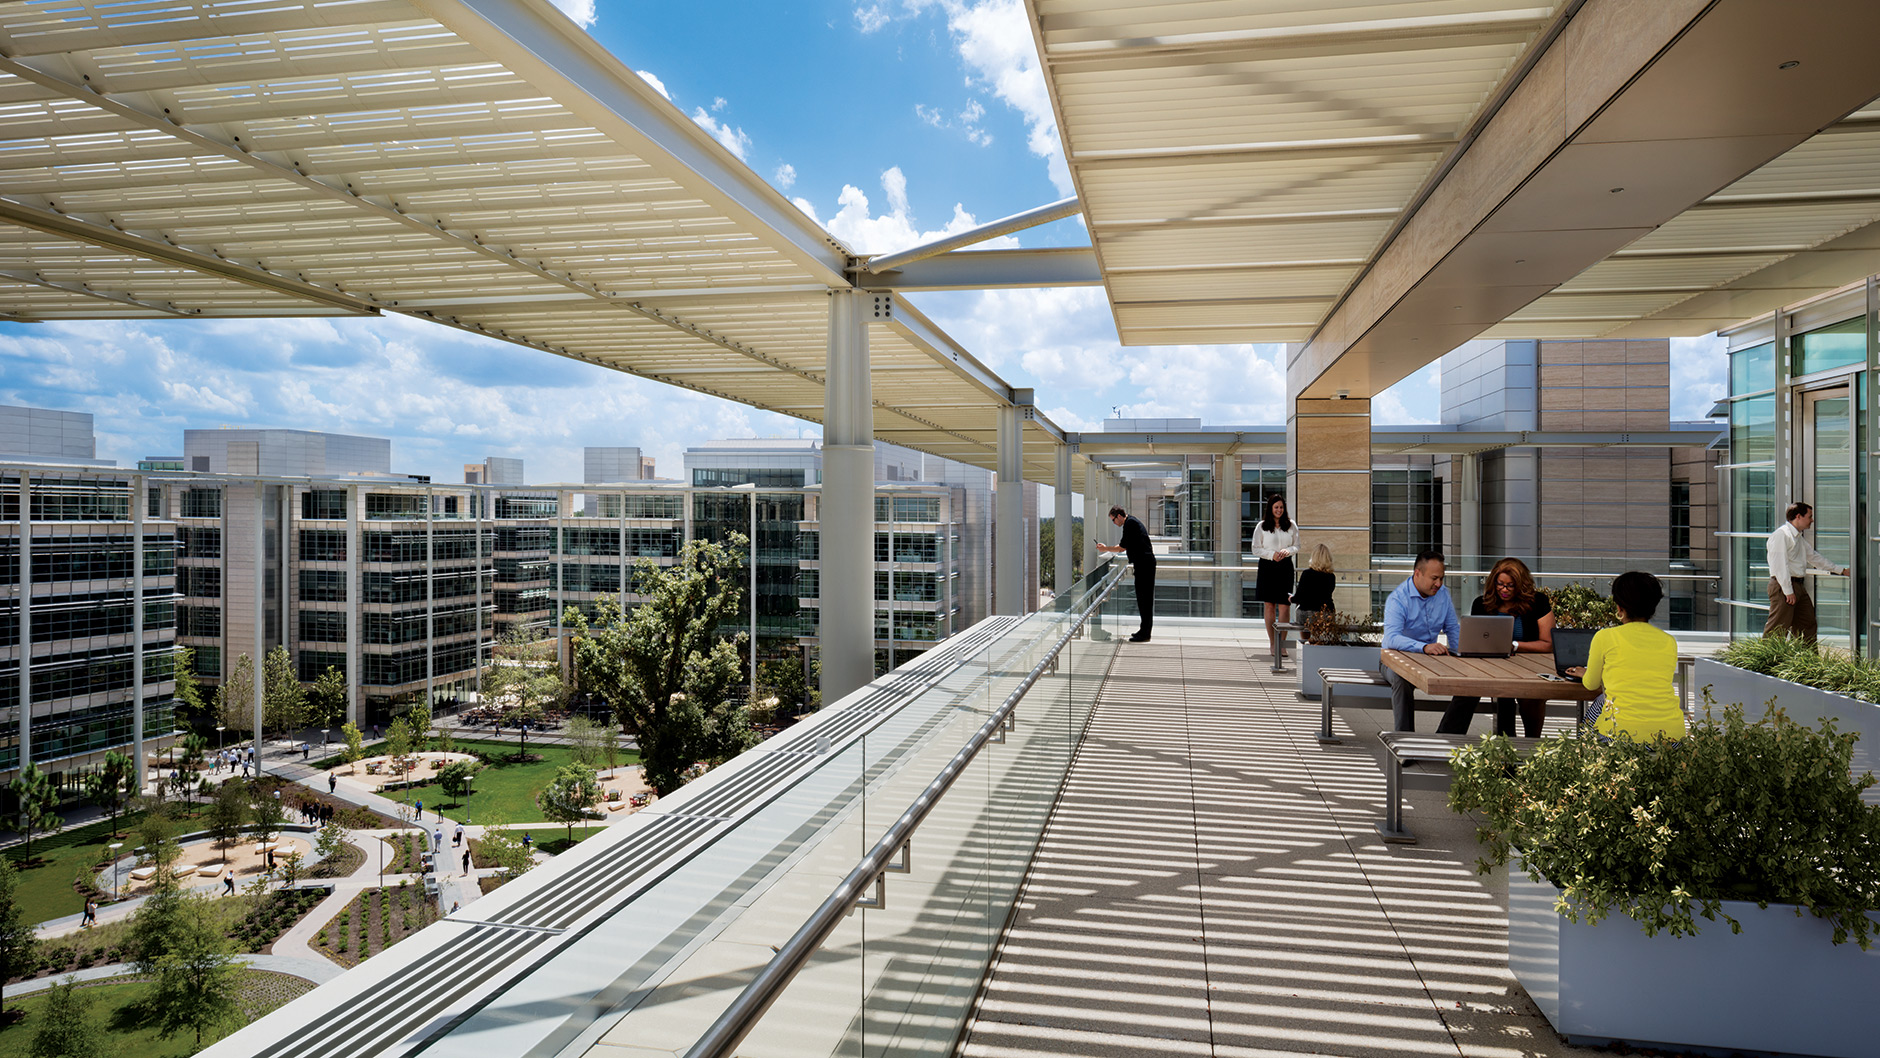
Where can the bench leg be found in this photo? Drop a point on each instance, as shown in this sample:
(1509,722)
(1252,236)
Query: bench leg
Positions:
(1326,738)
(1392,829)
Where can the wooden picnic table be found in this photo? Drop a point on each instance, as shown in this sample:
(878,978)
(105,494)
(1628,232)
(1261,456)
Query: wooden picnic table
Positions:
(1519,676)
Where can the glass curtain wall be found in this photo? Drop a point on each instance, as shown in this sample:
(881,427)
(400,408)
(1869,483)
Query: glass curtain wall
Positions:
(1799,411)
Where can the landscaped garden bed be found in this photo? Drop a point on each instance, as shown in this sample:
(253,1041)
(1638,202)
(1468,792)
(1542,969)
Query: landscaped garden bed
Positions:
(254,925)
(375,920)
(347,814)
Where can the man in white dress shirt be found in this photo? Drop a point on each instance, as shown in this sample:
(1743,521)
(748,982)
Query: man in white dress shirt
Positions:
(1791,611)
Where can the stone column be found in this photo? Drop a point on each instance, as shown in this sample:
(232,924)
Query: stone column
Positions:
(1227,536)
(1328,478)
(1009,518)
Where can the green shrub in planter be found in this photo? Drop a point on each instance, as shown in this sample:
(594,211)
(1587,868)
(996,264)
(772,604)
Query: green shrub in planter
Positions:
(1578,606)
(1662,832)
(1798,661)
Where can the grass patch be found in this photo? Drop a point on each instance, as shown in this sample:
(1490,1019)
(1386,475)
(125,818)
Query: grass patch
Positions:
(559,844)
(503,790)
(252,925)
(117,1006)
(48,872)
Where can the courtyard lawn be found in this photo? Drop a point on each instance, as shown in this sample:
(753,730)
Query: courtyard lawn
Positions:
(503,791)
(116,1007)
(49,869)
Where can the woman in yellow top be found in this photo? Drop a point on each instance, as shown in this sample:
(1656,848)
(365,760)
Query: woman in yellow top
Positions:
(1636,665)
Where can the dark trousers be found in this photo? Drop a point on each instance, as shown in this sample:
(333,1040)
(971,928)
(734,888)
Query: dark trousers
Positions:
(1145,595)
(1455,719)
(1787,620)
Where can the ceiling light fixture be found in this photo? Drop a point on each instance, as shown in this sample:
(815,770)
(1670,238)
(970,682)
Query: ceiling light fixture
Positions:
(1790,65)
(1616,190)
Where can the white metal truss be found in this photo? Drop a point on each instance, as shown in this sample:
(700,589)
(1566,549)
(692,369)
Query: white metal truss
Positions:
(484,164)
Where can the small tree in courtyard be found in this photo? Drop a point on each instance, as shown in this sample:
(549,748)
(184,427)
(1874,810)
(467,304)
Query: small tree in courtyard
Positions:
(570,797)
(228,813)
(67,1028)
(523,683)
(457,777)
(284,702)
(326,700)
(673,678)
(235,696)
(19,941)
(38,802)
(198,980)
(112,784)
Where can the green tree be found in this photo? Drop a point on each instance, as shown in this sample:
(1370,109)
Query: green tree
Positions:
(198,980)
(38,802)
(327,699)
(501,848)
(355,742)
(228,813)
(66,1027)
(268,815)
(524,683)
(235,696)
(332,840)
(19,944)
(787,681)
(188,693)
(156,832)
(596,745)
(112,784)
(456,778)
(418,718)
(570,796)
(284,700)
(665,667)
(156,923)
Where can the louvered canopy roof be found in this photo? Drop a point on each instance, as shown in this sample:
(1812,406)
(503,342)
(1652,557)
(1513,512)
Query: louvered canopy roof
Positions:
(481,163)
(1245,164)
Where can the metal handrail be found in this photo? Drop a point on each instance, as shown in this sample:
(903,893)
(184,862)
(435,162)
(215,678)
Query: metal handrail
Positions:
(1182,567)
(742,1015)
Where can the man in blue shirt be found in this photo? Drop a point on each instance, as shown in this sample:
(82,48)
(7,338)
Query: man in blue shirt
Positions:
(1414,616)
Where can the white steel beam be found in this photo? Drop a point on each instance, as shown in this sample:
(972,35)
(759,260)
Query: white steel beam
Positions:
(1067,207)
(1061,518)
(1074,266)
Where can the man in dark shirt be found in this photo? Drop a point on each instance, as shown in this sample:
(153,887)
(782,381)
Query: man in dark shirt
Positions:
(1135,544)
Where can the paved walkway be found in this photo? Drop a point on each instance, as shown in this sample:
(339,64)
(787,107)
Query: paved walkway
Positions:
(1231,896)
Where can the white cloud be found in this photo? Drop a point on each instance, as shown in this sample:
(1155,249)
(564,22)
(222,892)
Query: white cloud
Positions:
(930,115)
(1700,376)
(994,40)
(871,18)
(785,176)
(735,140)
(658,85)
(719,103)
(581,11)
(856,224)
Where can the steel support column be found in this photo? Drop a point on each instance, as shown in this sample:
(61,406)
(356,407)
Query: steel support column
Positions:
(1227,538)
(1095,513)
(847,514)
(1009,519)
(1061,515)
(1468,487)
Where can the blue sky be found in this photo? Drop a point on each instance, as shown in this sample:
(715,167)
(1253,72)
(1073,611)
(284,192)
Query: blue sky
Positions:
(889,122)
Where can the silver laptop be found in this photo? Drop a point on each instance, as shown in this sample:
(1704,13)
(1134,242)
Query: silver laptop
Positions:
(1487,637)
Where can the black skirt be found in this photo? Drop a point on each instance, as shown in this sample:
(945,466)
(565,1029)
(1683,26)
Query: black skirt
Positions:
(1274,582)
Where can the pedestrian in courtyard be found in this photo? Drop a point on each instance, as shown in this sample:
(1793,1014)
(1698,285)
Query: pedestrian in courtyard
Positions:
(1275,542)
(1135,544)
(528,843)
(91,914)
(437,838)
(332,782)
(1791,609)
(457,838)
(228,882)
(1418,616)
(466,861)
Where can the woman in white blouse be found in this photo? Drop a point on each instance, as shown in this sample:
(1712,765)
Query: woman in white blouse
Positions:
(1275,542)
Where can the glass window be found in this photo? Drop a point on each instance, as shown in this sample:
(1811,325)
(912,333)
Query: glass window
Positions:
(1753,502)
(1753,430)
(1680,521)
(1753,370)
(1837,345)
(323,503)
(323,545)
(202,503)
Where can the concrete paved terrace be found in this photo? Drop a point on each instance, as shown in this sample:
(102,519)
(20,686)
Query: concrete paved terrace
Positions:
(1211,884)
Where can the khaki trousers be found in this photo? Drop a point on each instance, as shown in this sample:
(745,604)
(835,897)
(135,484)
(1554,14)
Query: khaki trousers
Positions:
(1787,620)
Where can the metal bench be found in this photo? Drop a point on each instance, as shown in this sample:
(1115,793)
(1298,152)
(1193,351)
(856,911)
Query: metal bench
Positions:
(1333,679)
(1407,748)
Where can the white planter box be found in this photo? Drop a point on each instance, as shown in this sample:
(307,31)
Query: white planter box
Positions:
(1730,685)
(1780,986)
(1312,658)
